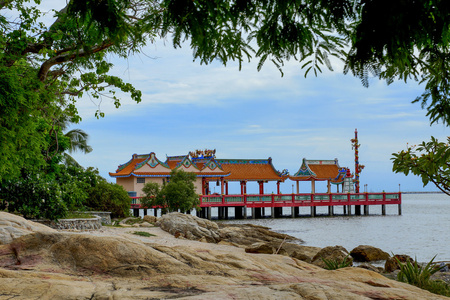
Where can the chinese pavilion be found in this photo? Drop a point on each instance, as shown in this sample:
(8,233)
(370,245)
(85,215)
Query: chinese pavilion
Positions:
(320,170)
(144,168)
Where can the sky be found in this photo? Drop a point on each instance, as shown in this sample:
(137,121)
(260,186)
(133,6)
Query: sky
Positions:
(246,114)
(256,115)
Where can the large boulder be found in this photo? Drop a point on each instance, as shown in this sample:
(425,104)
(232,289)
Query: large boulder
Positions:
(366,253)
(245,235)
(304,253)
(331,253)
(86,254)
(189,227)
(12,227)
(391,263)
(150,219)
(242,235)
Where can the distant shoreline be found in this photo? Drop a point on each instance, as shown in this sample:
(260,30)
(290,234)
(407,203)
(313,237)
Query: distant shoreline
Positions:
(434,192)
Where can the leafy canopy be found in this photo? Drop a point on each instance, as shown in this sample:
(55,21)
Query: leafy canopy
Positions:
(177,194)
(46,67)
(428,160)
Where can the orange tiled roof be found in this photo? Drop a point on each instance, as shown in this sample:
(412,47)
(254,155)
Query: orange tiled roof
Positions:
(318,170)
(134,167)
(242,169)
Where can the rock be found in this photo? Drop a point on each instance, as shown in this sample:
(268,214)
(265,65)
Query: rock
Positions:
(248,234)
(391,263)
(12,226)
(443,267)
(82,266)
(365,253)
(304,253)
(62,265)
(150,219)
(146,224)
(331,253)
(261,247)
(189,227)
(371,267)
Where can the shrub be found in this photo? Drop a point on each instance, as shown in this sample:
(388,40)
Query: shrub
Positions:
(35,197)
(110,197)
(336,263)
(419,276)
(177,194)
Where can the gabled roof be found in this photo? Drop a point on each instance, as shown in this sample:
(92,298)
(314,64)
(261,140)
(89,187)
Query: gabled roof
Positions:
(319,170)
(251,169)
(147,165)
(142,165)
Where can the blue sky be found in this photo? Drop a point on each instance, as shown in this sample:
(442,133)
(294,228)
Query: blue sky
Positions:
(249,114)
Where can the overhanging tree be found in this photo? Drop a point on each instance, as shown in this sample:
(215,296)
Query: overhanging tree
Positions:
(48,66)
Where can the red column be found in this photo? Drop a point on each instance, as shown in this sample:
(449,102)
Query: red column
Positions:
(278,187)
(226,187)
(221,185)
(242,188)
(203,186)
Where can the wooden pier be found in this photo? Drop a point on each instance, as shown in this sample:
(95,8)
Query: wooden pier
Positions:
(276,202)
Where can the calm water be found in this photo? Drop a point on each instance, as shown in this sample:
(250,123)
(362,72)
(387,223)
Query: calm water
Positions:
(421,231)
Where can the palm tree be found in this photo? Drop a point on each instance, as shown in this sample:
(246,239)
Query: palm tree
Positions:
(78,142)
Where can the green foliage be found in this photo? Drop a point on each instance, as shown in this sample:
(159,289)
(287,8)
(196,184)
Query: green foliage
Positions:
(334,264)
(177,194)
(34,197)
(105,196)
(151,191)
(143,233)
(429,160)
(412,42)
(66,188)
(419,276)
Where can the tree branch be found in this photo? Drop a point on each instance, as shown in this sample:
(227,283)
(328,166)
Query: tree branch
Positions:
(63,58)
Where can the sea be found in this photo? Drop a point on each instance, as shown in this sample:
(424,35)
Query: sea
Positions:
(422,231)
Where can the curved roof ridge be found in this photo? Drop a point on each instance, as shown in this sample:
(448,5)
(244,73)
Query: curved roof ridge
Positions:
(191,163)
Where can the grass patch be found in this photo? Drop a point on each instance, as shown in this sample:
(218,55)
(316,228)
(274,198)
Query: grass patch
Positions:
(419,276)
(334,264)
(143,233)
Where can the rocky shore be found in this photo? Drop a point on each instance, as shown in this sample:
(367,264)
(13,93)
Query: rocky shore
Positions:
(182,257)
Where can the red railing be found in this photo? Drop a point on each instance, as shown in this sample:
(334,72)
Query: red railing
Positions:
(294,200)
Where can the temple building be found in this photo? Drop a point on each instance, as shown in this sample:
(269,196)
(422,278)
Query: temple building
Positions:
(320,170)
(144,168)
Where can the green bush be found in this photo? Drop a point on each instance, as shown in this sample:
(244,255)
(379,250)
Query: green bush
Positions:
(110,197)
(177,194)
(35,197)
(420,276)
(336,263)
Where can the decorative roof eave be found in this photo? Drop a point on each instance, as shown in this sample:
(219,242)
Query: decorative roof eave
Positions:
(165,175)
(212,160)
(139,175)
(213,175)
(282,179)
(304,170)
(307,178)
(154,161)
(182,163)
